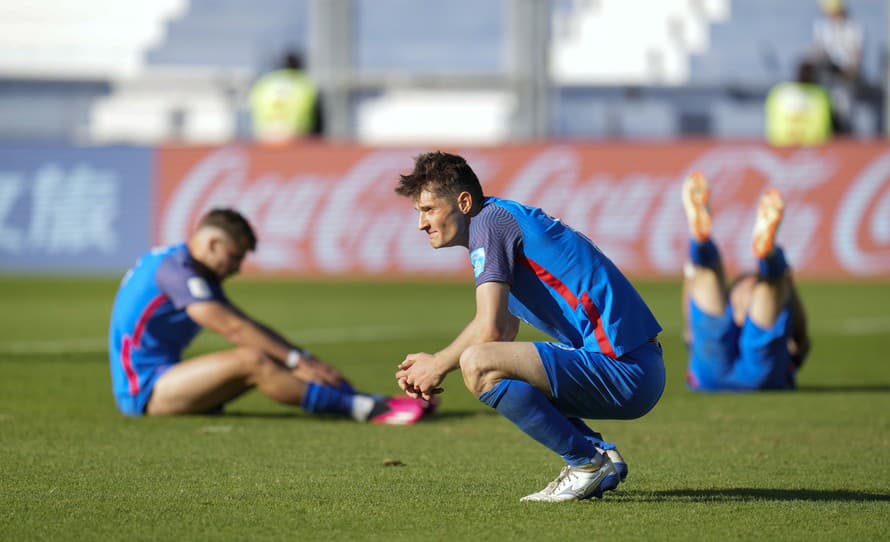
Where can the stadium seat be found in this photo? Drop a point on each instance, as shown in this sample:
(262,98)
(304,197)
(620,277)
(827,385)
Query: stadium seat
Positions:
(149,71)
(57,39)
(192,83)
(630,41)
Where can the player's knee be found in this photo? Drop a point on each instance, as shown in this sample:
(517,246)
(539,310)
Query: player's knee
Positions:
(474,368)
(252,360)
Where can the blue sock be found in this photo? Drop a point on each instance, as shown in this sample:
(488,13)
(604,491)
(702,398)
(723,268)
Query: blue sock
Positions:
(594,437)
(327,400)
(774,265)
(704,253)
(531,411)
(346,387)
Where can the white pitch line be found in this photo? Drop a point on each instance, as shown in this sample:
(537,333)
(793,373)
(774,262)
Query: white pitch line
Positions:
(341,335)
(864,326)
(359,334)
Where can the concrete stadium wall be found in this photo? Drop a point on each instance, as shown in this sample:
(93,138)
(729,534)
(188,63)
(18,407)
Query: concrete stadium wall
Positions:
(326,209)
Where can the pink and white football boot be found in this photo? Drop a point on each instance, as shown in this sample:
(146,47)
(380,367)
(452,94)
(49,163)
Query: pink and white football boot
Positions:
(398,411)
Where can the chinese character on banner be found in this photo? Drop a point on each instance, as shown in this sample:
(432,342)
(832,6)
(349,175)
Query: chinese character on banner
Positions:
(11,186)
(73,210)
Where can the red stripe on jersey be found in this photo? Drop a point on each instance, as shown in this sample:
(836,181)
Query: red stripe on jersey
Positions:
(132,379)
(551,281)
(692,380)
(593,314)
(599,330)
(131,344)
(146,314)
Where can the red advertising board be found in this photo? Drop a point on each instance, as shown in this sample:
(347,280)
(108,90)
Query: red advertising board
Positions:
(330,209)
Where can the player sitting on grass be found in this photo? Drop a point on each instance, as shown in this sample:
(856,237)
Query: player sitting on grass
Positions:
(174,291)
(606,363)
(752,335)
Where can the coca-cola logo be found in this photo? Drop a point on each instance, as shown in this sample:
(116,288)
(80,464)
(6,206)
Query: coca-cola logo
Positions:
(861,235)
(280,209)
(738,175)
(352,222)
(365,222)
(613,211)
(336,224)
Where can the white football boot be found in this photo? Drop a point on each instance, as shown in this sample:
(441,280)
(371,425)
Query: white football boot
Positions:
(578,483)
(616,459)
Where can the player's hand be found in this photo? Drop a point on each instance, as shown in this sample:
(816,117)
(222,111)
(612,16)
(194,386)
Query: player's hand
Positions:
(314,370)
(418,377)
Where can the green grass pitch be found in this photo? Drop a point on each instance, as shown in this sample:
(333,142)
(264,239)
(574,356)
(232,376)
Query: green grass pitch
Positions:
(814,464)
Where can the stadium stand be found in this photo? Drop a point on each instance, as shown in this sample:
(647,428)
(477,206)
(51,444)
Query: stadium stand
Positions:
(136,72)
(630,41)
(169,105)
(695,67)
(193,83)
(58,39)
(232,34)
(454,44)
(394,35)
(110,71)
(59,58)
(762,41)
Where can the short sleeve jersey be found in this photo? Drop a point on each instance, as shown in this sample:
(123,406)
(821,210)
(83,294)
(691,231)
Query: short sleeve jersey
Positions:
(149,324)
(559,280)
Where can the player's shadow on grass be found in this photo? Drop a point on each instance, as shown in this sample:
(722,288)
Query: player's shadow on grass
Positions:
(449,415)
(745,494)
(848,388)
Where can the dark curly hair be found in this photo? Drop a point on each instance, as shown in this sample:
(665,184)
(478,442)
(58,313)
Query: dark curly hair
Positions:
(233,223)
(442,174)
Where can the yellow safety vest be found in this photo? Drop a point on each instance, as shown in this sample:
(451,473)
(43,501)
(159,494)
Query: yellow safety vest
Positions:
(282,105)
(798,114)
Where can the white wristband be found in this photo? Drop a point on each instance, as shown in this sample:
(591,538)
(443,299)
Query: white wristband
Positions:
(294,357)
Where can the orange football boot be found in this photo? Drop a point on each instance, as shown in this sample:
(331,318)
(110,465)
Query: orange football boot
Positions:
(770,210)
(696,197)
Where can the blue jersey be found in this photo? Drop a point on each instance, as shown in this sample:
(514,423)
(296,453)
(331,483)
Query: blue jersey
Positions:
(559,280)
(149,325)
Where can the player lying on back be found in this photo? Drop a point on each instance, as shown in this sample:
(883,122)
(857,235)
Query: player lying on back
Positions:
(173,292)
(752,334)
(606,362)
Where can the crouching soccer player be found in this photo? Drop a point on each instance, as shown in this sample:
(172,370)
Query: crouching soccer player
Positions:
(174,291)
(751,335)
(607,363)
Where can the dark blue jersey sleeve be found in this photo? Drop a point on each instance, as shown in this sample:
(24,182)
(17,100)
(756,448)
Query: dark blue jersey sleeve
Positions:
(182,284)
(495,240)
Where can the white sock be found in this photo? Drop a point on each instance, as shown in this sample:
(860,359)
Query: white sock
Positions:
(362,405)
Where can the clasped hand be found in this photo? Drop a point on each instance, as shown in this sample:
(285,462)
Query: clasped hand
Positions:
(418,376)
(314,370)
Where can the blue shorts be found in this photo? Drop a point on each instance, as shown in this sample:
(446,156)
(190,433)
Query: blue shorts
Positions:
(724,356)
(587,384)
(146,374)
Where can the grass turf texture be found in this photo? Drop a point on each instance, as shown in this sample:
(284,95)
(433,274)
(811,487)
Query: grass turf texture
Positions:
(808,465)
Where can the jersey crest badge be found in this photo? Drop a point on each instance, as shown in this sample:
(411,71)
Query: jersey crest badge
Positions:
(477,258)
(198,288)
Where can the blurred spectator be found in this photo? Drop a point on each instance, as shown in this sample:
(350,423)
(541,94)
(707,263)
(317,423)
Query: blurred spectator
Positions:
(798,112)
(285,103)
(837,52)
